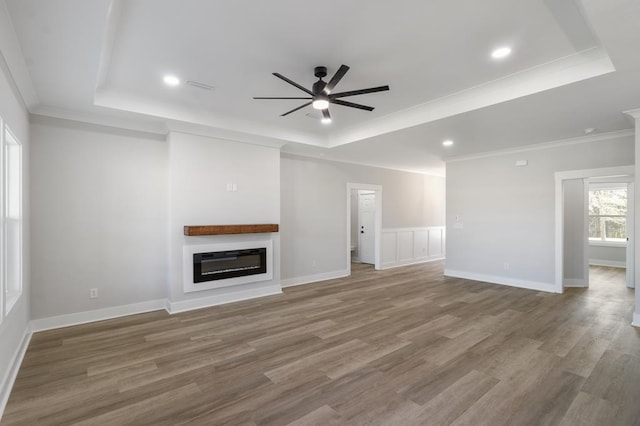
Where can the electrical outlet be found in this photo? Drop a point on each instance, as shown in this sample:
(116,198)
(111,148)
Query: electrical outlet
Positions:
(93,293)
(506,266)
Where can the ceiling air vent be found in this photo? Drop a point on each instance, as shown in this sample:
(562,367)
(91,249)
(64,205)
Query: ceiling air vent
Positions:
(200,85)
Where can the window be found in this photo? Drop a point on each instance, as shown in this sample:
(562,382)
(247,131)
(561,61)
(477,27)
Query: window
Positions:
(11,191)
(608,214)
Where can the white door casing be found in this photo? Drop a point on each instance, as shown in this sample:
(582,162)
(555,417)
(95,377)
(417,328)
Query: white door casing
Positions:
(630,257)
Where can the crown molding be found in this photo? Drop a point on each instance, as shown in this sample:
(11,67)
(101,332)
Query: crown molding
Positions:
(149,127)
(354,163)
(635,113)
(228,135)
(545,145)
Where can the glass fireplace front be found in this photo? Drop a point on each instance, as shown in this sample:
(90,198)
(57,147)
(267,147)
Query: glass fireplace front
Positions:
(220,265)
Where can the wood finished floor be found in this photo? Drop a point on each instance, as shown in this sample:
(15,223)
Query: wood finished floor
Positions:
(399,347)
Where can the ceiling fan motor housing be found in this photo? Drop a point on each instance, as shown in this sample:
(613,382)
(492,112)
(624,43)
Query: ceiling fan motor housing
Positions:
(320,72)
(318,88)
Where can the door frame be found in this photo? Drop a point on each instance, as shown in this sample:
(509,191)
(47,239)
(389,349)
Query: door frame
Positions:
(628,182)
(377,219)
(560,177)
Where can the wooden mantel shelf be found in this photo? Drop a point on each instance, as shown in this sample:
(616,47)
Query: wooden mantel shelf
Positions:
(230,229)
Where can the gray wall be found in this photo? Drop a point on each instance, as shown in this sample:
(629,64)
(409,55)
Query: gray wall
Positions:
(508,212)
(313,209)
(574,231)
(100,217)
(608,256)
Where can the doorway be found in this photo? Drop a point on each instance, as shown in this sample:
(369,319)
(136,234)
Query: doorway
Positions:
(363,242)
(563,181)
(611,222)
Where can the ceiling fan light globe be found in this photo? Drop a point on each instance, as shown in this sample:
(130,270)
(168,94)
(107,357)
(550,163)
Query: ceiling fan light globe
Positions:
(320,104)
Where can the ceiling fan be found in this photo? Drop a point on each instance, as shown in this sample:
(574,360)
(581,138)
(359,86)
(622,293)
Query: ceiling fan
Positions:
(321,93)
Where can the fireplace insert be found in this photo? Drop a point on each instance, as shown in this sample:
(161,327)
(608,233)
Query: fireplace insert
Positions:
(219,265)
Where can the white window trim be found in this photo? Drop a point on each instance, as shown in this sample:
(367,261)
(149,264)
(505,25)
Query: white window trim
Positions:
(605,243)
(9,299)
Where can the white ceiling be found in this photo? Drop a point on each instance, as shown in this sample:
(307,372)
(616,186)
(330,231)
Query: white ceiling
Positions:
(573,66)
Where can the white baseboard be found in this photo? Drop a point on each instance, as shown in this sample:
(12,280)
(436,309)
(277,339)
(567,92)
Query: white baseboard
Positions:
(96,315)
(308,279)
(494,279)
(575,282)
(12,373)
(610,263)
(205,302)
(636,320)
(391,265)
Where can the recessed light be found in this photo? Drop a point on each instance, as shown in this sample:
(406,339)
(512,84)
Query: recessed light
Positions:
(501,52)
(589,130)
(171,80)
(448,142)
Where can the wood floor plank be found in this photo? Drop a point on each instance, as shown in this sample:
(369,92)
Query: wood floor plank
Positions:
(589,410)
(456,399)
(405,346)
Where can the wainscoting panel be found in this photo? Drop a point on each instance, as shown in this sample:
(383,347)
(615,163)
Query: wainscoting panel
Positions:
(389,248)
(404,246)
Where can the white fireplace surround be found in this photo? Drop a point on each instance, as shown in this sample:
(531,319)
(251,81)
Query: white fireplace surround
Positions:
(189,250)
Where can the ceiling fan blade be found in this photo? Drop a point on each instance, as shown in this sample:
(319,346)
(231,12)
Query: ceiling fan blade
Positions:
(295,109)
(336,78)
(350,104)
(262,97)
(325,114)
(293,83)
(359,92)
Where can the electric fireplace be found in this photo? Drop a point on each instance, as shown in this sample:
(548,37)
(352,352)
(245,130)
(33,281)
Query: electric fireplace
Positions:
(220,265)
(226,263)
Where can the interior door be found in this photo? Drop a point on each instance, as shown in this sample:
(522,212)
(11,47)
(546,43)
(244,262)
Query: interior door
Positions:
(366,227)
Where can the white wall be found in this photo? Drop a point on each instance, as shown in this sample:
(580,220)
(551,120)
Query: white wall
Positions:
(199,170)
(14,327)
(99,217)
(574,233)
(507,212)
(313,231)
